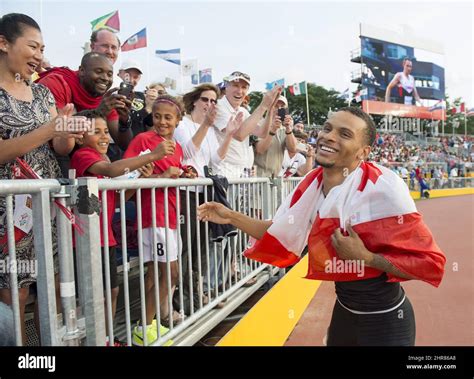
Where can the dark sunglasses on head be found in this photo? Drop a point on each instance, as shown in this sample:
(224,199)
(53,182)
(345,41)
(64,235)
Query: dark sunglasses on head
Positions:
(238,73)
(207,100)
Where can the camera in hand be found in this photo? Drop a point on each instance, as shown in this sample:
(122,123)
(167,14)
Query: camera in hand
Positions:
(126,90)
(301,147)
(282,112)
(312,141)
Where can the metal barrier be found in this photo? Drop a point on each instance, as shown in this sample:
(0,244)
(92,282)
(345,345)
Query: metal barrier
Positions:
(195,285)
(441,183)
(219,273)
(197,291)
(40,193)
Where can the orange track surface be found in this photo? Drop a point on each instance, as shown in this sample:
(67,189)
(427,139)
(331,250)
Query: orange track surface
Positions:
(444,315)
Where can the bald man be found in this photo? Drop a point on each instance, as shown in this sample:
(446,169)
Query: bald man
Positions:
(89,88)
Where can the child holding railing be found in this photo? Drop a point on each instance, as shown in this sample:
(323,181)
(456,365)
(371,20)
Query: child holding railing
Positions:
(167,113)
(91,160)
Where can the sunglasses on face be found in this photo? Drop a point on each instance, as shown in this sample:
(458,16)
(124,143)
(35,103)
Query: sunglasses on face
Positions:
(207,100)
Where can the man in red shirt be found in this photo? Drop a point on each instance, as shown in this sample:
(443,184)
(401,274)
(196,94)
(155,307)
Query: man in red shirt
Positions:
(88,88)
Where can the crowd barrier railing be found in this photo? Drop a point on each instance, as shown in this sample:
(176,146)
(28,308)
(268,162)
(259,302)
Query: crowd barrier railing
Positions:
(441,183)
(203,277)
(208,281)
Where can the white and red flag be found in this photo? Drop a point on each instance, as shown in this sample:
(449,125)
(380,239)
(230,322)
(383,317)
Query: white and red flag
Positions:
(378,205)
(458,108)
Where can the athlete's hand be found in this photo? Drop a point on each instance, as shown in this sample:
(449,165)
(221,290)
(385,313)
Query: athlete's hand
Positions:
(214,212)
(350,247)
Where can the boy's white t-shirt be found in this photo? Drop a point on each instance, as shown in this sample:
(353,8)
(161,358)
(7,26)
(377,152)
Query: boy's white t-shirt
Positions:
(291,165)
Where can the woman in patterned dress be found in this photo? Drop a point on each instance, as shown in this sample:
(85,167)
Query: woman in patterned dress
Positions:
(28,129)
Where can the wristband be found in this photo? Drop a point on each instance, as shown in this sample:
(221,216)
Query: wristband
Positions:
(290,132)
(272,134)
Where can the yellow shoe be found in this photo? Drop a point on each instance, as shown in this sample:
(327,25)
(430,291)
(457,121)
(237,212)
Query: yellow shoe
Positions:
(163,331)
(151,335)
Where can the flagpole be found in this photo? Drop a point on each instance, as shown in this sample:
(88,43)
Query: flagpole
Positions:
(465,123)
(181,72)
(307,104)
(148,73)
(452,126)
(442,119)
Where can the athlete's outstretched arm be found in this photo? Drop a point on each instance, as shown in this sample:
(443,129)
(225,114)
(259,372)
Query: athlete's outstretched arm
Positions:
(219,214)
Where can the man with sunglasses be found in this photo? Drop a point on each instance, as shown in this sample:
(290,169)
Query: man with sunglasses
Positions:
(240,156)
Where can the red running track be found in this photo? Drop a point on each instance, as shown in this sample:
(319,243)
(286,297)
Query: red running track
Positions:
(444,316)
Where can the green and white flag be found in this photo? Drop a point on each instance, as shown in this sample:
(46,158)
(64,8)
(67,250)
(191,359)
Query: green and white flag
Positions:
(298,89)
(110,21)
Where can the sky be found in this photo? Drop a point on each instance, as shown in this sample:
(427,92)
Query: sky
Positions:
(269,40)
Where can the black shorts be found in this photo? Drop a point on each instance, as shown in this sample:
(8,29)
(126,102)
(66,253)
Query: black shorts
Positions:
(395,328)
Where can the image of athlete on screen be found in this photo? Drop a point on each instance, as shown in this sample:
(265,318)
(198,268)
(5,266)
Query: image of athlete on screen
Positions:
(406,93)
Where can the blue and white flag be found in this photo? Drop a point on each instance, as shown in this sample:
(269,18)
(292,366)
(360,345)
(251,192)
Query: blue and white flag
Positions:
(279,82)
(205,75)
(173,55)
(346,95)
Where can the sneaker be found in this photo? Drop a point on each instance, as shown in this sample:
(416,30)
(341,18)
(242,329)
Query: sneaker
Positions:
(151,335)
(117,343)
(163,331)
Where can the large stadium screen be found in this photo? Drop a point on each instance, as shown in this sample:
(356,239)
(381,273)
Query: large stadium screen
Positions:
(400,74)
(381,60)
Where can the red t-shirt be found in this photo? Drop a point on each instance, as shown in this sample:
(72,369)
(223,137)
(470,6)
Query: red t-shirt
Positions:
(65,86)
(81,160)
(150,140)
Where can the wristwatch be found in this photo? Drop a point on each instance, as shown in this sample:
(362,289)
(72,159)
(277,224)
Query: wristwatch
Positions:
(291,131)
(123,127)
(272,134)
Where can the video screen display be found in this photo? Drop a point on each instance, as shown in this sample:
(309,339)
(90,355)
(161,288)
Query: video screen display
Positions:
(419,73)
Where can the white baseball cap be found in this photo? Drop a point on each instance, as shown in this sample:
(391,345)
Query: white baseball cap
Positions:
(237,75)
(283,99)
(128,64)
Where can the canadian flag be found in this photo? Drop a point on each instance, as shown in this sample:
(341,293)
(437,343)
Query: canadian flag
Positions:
(458,109)
(376,203)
